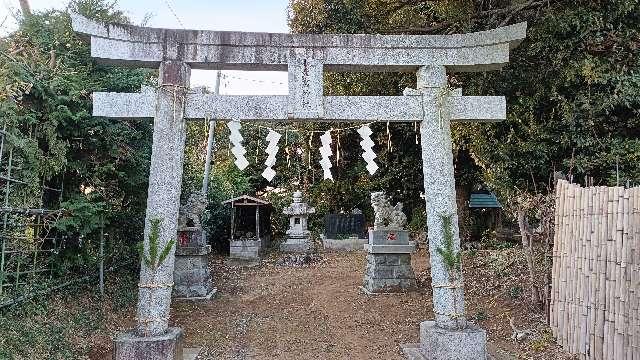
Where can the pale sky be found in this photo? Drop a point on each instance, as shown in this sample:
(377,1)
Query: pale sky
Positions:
(232,15)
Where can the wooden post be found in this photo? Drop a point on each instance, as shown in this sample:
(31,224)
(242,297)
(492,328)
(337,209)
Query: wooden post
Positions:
(257,221)
(233,221)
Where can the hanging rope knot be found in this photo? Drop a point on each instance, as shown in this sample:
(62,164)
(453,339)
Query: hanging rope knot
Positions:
(151,319)
(454,285)
(155,285)
(452,315)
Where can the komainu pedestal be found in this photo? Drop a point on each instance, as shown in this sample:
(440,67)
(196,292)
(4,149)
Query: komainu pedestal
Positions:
(389,250)
(191,275)
(389,262)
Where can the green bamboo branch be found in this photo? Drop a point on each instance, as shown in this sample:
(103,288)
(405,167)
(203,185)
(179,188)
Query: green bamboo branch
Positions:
(452,259)
(153,260)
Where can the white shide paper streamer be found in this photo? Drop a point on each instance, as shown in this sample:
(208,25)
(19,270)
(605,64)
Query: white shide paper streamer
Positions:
(367,145)
(325,151)
(238,150)
(272,149)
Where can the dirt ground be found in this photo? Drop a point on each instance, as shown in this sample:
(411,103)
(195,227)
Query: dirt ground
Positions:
(317,311)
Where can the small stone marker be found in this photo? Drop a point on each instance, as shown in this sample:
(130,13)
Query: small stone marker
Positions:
(389,250)
(345,232)
(298,236)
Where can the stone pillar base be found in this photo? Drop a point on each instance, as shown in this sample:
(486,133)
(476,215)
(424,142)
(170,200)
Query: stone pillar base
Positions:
(297,245)
(441,344)
(191,275)
(388,273)
(130,345)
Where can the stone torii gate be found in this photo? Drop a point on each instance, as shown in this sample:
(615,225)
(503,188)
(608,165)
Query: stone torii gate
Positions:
(305,57)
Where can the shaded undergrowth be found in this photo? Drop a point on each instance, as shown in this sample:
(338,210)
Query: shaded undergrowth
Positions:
(70,324)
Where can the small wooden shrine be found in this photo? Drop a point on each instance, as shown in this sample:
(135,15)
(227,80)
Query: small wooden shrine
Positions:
(250,232)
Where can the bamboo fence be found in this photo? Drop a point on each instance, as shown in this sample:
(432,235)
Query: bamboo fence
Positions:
(596,271)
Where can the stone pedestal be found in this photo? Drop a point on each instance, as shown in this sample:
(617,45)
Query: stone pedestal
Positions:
(348,244)
(245,250)
(389,262)
(441,344)
(191,275)
(298,244)
(168,346)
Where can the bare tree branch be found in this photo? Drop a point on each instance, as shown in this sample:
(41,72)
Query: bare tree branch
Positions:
(515,11)
(510,10)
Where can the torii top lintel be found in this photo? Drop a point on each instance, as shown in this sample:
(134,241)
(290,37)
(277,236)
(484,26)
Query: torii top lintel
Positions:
(226,50)
(305,57)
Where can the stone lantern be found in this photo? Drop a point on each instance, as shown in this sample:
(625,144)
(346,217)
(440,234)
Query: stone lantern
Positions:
(298,236)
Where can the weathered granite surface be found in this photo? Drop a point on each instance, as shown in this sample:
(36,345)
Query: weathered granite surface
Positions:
(245,249)
(167,346)
(389,270)
(389,273)
(302,246)
(348,244)
(175,51)
(165,183)
(441,344)
(191,274)
(305,85)
(298,236)
(387,216)
(140,46)
(275,107)
(190,213)
(440,195)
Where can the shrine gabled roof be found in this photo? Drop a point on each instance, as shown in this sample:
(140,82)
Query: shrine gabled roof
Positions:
(484,200)
(246,200)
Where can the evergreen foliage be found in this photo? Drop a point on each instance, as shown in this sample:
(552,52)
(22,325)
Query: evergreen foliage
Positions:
(572,90)
(156,256)
(46,80)
(451,257)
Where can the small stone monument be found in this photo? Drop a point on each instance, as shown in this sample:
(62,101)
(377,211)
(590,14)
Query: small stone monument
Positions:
(298,236)
(345,232)
(191,275)
(389,250)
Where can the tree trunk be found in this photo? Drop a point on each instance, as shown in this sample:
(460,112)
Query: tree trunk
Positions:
(527,246)
(26,9)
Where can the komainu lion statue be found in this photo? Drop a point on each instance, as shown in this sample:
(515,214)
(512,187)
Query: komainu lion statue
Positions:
(387,216)
(190,213)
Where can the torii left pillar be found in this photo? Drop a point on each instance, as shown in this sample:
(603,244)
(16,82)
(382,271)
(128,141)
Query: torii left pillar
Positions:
(153,338)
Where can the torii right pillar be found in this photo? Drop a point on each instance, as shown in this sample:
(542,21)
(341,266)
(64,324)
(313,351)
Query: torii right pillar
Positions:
(449,337)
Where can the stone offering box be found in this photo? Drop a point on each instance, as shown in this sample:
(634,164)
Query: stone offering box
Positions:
(246,249)
(388,262)
(250,228)
(344,232)
(191,275)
